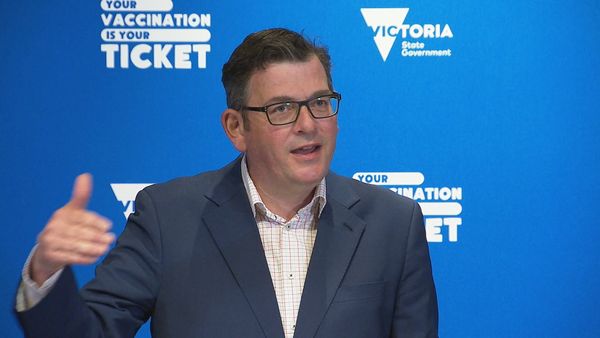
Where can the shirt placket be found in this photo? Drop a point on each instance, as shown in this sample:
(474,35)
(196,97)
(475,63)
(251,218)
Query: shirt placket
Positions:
(290,272)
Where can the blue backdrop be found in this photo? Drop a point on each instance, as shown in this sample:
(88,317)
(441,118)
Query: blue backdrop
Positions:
(491,106)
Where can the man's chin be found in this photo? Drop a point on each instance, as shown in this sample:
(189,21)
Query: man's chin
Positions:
(310,178)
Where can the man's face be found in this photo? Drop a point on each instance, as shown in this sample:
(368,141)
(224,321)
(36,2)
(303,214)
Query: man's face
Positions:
(297,155)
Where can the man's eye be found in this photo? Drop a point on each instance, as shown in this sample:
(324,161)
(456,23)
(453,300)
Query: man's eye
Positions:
(281,108)
(321,102)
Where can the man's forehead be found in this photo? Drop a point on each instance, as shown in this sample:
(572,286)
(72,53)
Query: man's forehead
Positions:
(271,66)
(278,78)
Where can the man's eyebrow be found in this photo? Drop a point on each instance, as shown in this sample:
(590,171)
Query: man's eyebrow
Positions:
(278,99)
(285,98)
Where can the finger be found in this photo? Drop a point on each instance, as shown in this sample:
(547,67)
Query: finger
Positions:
(87,219)
(69,257)
(82,190)
(89,235)
(50,258)
(66,223)
(97,222)
(77,247)
(65,235)
(89,249)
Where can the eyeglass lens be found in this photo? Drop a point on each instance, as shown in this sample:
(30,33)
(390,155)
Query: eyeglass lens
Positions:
(287,112)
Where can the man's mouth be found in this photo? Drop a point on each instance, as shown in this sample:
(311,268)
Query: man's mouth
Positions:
(306,149)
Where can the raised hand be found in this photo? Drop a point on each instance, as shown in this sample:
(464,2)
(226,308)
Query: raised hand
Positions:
(73,235)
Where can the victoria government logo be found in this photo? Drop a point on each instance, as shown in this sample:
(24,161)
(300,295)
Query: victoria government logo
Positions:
(389,23)
(441,206)
(146,34)
(125,193)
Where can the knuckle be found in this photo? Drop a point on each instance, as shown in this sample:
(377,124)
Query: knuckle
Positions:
(105,225)
(52,258)
(60,213)
(108,238)
(50,225)
(57,213)
(43,240)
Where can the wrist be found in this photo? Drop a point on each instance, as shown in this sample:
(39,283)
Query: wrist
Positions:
(39,272)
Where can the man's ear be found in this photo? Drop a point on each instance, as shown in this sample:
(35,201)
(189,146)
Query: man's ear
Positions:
(233,124)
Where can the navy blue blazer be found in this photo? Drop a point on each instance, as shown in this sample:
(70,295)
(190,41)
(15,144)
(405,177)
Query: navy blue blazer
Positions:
(191,259)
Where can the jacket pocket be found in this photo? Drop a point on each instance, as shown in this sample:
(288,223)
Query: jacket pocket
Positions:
(359,292)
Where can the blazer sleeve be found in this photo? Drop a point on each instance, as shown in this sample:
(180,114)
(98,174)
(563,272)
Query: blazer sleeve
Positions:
(416,309)
(119,299)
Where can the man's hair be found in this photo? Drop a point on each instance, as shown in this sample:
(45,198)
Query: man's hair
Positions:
(261,49)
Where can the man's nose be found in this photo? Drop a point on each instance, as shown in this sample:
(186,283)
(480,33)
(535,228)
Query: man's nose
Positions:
(305,122)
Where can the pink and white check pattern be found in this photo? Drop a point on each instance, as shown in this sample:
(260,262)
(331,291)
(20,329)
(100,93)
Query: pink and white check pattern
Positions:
(288,246)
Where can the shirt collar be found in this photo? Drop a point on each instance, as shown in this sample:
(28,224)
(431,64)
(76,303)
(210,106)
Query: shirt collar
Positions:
(318,199)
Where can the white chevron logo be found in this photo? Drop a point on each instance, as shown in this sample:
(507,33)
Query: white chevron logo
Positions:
(125,193)
(385,23)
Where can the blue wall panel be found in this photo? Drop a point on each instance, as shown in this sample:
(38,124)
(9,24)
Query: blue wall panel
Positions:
(510,119)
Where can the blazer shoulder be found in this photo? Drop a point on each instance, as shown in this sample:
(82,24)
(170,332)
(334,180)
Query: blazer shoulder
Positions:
(206,183)
(181,185)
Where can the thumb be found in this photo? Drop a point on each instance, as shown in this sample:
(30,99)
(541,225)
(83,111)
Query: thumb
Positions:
(82,190)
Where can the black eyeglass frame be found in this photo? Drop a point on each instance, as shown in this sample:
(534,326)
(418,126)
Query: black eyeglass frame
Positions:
(264,109)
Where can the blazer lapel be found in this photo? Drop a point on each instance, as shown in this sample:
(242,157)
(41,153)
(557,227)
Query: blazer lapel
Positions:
(230,222)
(339,232)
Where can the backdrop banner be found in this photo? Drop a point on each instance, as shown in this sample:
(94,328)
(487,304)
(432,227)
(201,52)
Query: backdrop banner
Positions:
(484,113)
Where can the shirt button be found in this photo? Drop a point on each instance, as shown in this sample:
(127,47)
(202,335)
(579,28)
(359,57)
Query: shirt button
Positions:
(291,276)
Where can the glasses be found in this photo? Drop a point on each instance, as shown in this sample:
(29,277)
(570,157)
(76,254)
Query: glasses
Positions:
(287,112)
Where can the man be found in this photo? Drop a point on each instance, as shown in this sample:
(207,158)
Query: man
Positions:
(272,245)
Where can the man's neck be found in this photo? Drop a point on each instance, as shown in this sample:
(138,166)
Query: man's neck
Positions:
(285,203)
